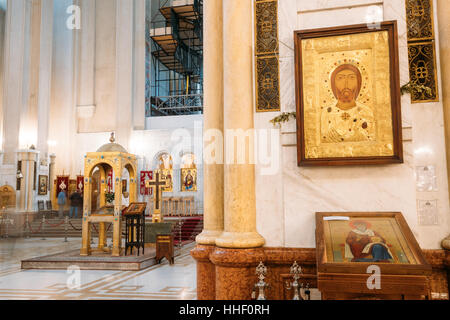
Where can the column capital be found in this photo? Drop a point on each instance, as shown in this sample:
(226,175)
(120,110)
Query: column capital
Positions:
(27,155)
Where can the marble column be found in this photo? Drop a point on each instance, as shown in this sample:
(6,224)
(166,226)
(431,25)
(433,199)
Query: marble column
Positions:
(206,272)
(52,175)
(2,49)
(45,75)
(139,56)
(124,71)
(443,14)
(26,195)
(238,249)
(239,179)
(213,120)
(86,74)
(16,17)
(212,172)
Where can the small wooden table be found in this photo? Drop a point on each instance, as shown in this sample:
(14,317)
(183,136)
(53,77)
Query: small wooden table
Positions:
(164,248)
(134,217)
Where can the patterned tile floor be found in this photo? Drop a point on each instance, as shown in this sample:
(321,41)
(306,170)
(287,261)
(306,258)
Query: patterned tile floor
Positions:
(177,282)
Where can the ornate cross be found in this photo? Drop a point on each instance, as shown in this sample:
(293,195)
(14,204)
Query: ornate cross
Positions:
(158,186)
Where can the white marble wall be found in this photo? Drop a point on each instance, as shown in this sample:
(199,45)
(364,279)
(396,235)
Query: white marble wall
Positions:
(287,201)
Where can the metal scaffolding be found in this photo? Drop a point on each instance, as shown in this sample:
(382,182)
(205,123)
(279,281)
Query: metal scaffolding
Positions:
(175,72)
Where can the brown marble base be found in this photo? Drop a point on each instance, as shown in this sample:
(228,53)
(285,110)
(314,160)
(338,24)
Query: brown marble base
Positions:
(235,272)
(206,272)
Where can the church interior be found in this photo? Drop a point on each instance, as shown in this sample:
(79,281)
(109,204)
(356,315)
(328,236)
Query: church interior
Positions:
(224,150)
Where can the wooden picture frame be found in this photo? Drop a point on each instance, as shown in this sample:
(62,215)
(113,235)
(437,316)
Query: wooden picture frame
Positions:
(43,185)
(389,230)
(356,123)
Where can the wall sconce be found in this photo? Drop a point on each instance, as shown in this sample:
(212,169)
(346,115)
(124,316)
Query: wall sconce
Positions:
(19,175)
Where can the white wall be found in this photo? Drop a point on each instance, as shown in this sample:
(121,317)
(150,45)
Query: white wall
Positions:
(287,201)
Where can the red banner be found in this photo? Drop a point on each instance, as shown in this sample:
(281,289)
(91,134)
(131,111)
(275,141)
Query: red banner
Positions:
(80,184)
(145,175)
(62,184)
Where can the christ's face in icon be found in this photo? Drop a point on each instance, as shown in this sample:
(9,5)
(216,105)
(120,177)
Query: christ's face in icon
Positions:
(346,84)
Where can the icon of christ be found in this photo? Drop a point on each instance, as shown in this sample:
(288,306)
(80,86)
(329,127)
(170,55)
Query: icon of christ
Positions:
(348,120)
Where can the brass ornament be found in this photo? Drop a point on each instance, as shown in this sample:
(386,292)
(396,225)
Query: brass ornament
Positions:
(421,51)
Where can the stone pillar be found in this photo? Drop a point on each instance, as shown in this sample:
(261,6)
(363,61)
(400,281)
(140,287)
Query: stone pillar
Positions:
(52,175)
(239,181)
(213,120)
(443,14)
(124,71)
(238,249)
(235,272)
(2,69)
(45,75)
(206,272)
(13,78)
(212,172)
(139,65)
(26,197)
(86,75)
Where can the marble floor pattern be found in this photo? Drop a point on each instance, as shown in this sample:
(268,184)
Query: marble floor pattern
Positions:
(177,282)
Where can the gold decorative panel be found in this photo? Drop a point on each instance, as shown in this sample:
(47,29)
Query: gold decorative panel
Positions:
(421,51)
(266,27)
(268,84)
(419,17)
(422,71)
(267,52)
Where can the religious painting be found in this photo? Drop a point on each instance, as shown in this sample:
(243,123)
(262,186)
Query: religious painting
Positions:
(165,167)
(364,238)
(348,96)
(7,196)
(109,181)
(43,185)
(124,185)
(72,186)
(188,180)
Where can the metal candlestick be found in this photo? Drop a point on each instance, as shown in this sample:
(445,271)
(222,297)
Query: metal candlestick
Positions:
(66,227)
(181,223)
(261,271)
(296,271)
(27,226)
(43,227)
(7,226)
